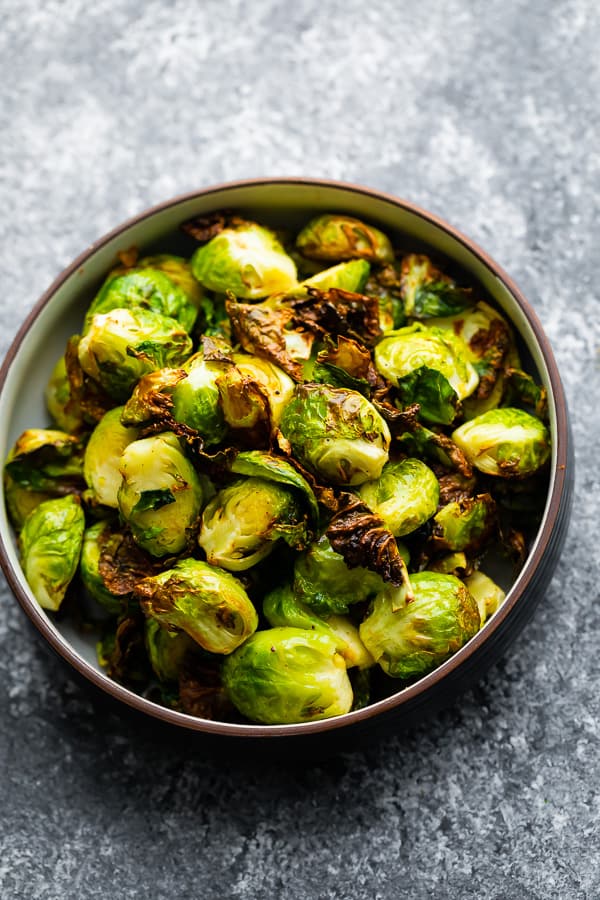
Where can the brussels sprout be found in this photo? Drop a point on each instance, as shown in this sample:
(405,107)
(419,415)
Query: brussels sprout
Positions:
(121,346)
(323,581)
(452,564)
(160,496)
(276,385)
(196,400)
(340,237)
(286,675)
(90,575)
(247,260)
(63,408)
(409,640)
(282,607)
(209,604)
(336,433)
(179,271)
(487,594)
(490,345)
(349,276)
(46,460)
(427,292)
(274,468)
(103,457)
(167,650)
(50,544)
(143,288)
(464,524)
(506,442)
(20,501)
(405,495)
(241,524)
(346,364)
(430,367)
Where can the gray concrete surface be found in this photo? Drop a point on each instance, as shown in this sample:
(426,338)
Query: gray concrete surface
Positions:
(484,112)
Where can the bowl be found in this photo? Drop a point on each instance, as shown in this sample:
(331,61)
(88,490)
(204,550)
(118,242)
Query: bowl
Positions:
(58,314)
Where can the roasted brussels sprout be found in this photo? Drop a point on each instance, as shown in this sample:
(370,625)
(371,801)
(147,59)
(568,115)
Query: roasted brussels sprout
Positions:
(411,639)
(121,346)
(349,276)
(286,675)
(506,442)
(241,524)
(405,495)
(61,405)
(167,650)
(196,400)
(179,271)
(339,237)
(487,594)
(103,458)
(464,524)
(43,459)
(50,544)
(247,260)
(427,292)
(336,433)
(89,570)
(160,496)
(282,608)
(273,381)
(323,581)
(429,366)
(144,288)
(209,604)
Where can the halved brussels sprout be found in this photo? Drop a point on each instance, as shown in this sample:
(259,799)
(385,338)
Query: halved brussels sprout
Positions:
(405,495)
(160,496)
(20,501)
(336,433)
(282,608)
(464,524)
(247,260)
(241,524)
(167,650)
(490,345)
(349,276)
(196,399)
(340,237)
(89,571)
(286,675)
(274,468)
(44,459)
(408,640)
(62,407)
(323,581)
(179,271)
(276,385)
(144,288)
(506,442)
(430,367)
(487,594)
(121,346)
(103,458)
(427,292)
(50,544)
(209,604)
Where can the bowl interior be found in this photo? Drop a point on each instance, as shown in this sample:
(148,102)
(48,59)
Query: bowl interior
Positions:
(281,204)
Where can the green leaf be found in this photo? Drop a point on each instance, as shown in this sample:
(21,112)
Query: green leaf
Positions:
(154,500)
(432,391)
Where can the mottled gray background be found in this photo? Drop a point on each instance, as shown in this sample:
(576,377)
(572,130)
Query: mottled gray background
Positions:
(485,112)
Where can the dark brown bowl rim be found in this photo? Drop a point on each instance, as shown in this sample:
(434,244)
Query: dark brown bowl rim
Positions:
(405,695)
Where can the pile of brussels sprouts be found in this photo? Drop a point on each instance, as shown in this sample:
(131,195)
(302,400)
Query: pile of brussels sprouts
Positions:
(278,469)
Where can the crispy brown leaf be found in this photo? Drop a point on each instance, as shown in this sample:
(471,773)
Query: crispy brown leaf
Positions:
(363,540)
(338,312)
(352,357)
(123,564)
(260,330)
(204,228)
